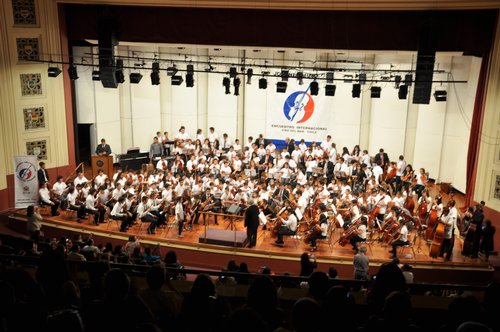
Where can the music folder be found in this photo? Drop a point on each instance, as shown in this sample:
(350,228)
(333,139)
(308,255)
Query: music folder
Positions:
(233,209)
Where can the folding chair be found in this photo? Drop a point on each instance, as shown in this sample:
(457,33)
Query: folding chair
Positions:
(402,249)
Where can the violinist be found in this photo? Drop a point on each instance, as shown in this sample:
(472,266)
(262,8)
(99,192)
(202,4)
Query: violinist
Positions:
(360,235)
(46,199)
(382,159)
(74,205)
(59,188)
(401,240)
(80,179)
(281,194)
(288,227)
(400,168)
(422,181)
(407,177)
(318,231)
(118,213)
(156,207)
(162,163)
(100,178)
(92,206)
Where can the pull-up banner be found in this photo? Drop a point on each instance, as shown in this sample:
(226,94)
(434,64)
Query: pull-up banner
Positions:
(25,181)
(297,114)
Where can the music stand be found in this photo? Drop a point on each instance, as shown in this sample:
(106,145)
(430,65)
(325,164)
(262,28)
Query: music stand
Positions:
(232,209)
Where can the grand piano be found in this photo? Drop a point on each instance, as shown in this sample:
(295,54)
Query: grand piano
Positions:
(133,159)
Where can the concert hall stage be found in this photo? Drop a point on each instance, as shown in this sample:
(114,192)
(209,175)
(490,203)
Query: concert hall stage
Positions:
(192,250)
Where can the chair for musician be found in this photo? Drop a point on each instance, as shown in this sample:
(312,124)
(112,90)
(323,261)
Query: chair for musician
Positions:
(411,242)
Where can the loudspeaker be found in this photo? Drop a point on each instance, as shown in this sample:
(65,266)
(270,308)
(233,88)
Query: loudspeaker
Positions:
(356,90)
(262,83)
(426,57)
(314,88)
(107,42)
(403,91)
(330,90)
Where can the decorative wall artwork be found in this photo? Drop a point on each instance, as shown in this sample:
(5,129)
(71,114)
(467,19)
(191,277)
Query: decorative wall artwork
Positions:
(28,49)
(31,84)
(34,118)
(37,148)
(24,12)
(496,194)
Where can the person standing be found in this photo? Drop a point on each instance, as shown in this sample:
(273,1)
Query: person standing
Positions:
(488,234)
(179,215)
(43,175)
(155,150)
(361,264)
(103,149)
(252,222)
(34,225)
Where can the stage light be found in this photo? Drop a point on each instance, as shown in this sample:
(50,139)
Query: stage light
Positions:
(314,88)
(375,91)
(408,79)
(284,75)
(96,75)
(189,80)
(72,72)
(281,87)
(330,90)
(329,77)
(176,80)
(155,74)
(171,71)
(190,69)
(232,72)
(135,78)
(347,78)
(53,71)
(120,78)
(300,77)
(226,82)
(440,95)
(362,78)
(403,91)
(397,81)
(249,75)
(262,83)
(236,83)
(356,90)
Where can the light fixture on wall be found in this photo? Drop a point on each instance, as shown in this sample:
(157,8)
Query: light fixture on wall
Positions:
(330,90)
(236,83)
(155,74)
(440,95)
(72,72)
(135,78)
(176,80)
(314,88)
(356,90)
(281,87)
(262,83)
(375,91)
(226,82)
(249,75)
(403,91)
(120,77)
(53,71)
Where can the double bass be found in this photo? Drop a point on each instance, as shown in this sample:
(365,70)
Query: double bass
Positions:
(437,241)
(352,230)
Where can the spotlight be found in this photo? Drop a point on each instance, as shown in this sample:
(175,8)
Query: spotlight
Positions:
(72,72)
(190,69)
(281,87)
(347,78)
(135,78)
(171,71)
(300,77)
(189,80)
(177,80)
(440,95)
(408,79)
(375,91)
(96,75)
(362,78)
(53,71)
(226,82)
(330,90)
(232,72)
(249,75)
(262,83)
(397,81)
(284,75)
(236,83)
(356,90)
(403,91)
(155,74)
(329,77)
(314,88)
(120,78)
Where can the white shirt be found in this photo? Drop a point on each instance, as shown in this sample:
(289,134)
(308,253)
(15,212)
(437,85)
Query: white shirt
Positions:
(179,211)
(212,137)
(182,136)
(400,168)
(59,187)
(100,179)
(291,222)
(325,145)
(90,202)
(81,180)
(404,234)
(365,159)
(117,210)
(332,155)
(45,195)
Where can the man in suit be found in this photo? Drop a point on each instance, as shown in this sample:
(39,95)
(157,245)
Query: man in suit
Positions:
(382,159)
(328,168)
(267,158)
(261,140)
(43,175)
(252,222)
(103,149)
(281,193)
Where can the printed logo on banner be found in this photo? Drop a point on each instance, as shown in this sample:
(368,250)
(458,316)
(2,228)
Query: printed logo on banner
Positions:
(25,171)
(298,107)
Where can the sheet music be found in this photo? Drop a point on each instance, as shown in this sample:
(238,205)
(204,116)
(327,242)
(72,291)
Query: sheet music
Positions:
(378,224)
(340,220)
(263,218)
(281,211)
(298,214)
(334,208)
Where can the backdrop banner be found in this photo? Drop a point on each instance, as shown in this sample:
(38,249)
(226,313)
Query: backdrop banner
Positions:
(25,181)
(297,114)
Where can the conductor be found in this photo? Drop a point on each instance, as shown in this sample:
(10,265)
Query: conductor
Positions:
(103,149)
(252,222)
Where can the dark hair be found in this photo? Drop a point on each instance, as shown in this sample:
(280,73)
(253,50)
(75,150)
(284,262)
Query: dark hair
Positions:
(170,257)
(30,210)
(156,277)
